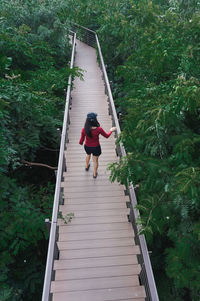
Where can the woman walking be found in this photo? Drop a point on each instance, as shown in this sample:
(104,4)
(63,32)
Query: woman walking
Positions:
(90,133)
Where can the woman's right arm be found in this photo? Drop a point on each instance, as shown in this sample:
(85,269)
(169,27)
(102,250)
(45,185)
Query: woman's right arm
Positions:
(82,137)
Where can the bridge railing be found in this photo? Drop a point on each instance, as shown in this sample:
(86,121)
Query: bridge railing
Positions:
(90,37)
(52,247)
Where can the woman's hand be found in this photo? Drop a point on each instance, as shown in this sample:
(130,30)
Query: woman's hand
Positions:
(113,129)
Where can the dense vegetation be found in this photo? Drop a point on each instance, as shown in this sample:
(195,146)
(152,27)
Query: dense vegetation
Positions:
(152,52)
(34,56)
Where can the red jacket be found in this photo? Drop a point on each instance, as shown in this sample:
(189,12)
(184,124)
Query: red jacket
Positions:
(94,140)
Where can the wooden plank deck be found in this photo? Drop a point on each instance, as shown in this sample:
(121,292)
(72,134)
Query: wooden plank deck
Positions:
(97,251)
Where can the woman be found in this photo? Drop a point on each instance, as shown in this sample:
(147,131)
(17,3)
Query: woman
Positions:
(90,133)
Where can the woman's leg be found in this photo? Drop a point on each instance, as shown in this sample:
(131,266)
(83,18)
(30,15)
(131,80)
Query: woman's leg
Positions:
(95,161)
(87,160)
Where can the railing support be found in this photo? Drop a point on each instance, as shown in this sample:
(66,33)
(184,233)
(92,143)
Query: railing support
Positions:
(48,224)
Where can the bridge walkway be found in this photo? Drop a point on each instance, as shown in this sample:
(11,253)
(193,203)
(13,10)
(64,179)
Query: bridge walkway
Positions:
(97,253)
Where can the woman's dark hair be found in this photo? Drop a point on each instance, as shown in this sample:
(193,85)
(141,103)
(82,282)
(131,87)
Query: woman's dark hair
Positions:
(90,122)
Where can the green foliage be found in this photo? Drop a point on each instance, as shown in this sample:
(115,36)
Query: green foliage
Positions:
(67,218)
(22,231)
(34,70)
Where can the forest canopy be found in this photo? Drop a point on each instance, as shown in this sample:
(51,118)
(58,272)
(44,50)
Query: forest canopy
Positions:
(151,49)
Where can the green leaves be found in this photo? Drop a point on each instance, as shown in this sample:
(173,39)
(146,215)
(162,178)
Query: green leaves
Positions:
(22,215)
(178,267)
(34,71)
(189,182)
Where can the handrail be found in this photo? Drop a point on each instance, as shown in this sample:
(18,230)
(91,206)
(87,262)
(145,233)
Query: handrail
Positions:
(52,238)
(143,244)
(150,285)
(80,26)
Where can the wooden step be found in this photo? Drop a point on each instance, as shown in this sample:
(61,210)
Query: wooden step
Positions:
(79,107)
(87,92)
(98,227)
(98,200)
(94,194)
(96,243)
(94,235)
(74,150)
(102,172)
(109,155)
(81,163)
(83,176)
(105,144)
(95,220)
(85,182)
(80,263)
(93,213)
(93,188)
(115,294)
(92,284)
(99,252)
(122,270)
(87,201)
(94,206)
(81,116)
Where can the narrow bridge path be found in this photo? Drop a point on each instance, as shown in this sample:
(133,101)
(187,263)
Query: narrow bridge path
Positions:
(98,255)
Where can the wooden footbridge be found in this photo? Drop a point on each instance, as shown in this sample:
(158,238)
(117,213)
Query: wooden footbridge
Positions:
(98,256)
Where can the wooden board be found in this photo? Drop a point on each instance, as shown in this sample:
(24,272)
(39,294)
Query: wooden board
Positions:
(89,213)
(121,270)
(76,236)
(95,220)
(79,263)
(94,206)
(114,294)
(97,200)
(63,228)
(94,194)
(96,243)
(92,283)
(98,252)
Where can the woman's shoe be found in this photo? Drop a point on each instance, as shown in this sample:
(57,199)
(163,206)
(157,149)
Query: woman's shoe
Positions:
(95,176)
(87,168)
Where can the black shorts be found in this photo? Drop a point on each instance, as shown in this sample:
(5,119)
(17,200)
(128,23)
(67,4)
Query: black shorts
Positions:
(96,150)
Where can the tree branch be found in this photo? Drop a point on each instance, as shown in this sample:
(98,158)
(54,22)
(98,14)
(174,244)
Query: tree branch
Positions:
(38,164)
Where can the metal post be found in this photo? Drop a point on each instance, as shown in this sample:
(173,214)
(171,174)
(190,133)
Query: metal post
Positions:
(48,224)
(59,133)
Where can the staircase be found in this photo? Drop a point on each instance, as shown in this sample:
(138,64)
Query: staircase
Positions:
(97,251)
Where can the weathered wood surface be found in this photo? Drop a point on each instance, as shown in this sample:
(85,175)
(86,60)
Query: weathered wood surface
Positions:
(97,252)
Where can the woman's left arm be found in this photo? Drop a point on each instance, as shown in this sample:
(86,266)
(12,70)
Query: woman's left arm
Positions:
(103,133)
